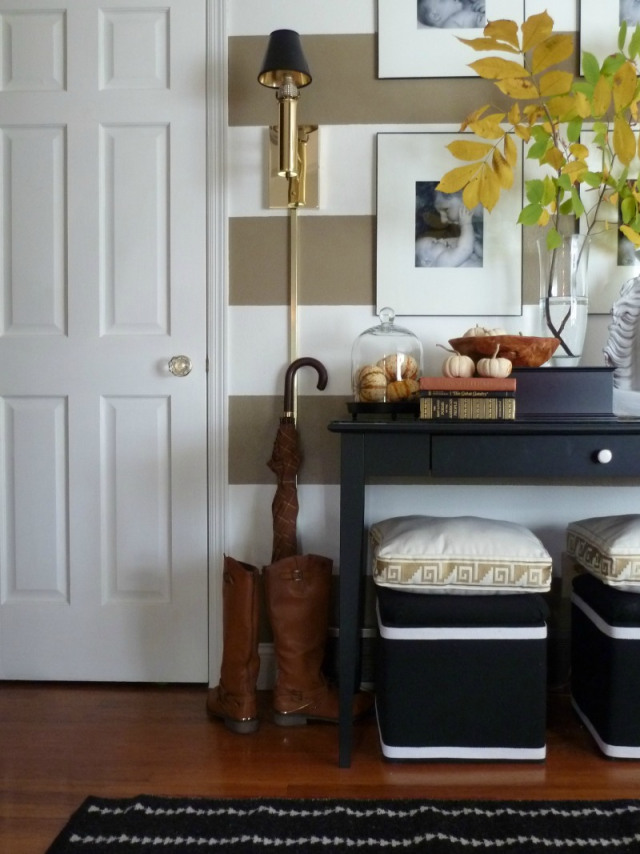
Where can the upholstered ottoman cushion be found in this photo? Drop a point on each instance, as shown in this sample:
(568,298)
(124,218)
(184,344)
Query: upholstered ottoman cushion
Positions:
(609,548)
(458,554)
(605,664)
(461,677)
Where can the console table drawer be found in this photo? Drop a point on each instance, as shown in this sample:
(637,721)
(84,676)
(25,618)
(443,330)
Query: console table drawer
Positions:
(593,456)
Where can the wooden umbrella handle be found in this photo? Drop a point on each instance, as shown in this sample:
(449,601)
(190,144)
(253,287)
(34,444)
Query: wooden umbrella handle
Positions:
(290,376)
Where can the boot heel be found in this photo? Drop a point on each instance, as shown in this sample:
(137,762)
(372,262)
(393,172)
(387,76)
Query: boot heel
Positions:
(291,719)
(242,727)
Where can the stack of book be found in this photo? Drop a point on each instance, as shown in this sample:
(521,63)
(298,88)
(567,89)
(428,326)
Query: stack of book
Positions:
(468,398)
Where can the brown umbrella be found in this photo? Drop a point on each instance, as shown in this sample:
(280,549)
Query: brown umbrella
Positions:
(285,462)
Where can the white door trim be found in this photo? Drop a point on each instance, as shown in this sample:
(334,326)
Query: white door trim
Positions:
(217,267)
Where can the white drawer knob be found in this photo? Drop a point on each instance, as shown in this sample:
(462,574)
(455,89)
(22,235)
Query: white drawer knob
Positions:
(604,456)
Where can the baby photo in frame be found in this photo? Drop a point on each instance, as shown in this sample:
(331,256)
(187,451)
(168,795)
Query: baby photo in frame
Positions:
(417,38)
(434,257)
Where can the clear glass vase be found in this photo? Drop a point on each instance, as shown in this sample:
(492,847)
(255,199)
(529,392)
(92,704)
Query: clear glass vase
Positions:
(564,302)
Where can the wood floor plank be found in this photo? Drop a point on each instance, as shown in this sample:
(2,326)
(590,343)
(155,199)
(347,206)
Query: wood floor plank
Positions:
(61,743)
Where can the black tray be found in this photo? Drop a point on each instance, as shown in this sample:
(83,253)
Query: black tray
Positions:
(385,411)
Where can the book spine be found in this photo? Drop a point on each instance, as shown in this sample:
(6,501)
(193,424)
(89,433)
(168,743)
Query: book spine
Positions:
(453,392)
(468,408)
(467,383)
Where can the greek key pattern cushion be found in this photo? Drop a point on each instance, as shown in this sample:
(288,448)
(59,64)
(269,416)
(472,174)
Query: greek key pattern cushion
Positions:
(458,554)
(608,547)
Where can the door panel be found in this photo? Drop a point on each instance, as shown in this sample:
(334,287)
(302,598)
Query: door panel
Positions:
(103,520)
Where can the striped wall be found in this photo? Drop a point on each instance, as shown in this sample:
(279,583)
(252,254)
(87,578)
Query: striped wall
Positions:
(337,287)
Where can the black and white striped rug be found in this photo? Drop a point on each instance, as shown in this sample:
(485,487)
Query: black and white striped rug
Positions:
(153,824)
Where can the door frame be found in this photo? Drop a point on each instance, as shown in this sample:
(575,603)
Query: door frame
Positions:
(217,300)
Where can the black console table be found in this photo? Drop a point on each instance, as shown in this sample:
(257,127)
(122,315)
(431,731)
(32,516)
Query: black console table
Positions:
(560,448)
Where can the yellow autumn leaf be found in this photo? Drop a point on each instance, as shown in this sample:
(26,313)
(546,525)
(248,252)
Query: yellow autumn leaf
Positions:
(551,51)
(544,217)
(579,151)
(488,44)
(514,114)
(624,141)
(535,30)
(467,149)
(632,235)
(487,129)
(457,178)
(489,190)
(563,107)
(510,151)
(471,194)
(505,31)
(601,97)
(523,132)
(555,83)
(575,169)
(502,170)
(474,116)
(497,68)
(533,113)
(518,88)
(582,105)
(624,86)
(555,158)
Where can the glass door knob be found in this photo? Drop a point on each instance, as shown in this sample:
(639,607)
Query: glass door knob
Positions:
(180,366)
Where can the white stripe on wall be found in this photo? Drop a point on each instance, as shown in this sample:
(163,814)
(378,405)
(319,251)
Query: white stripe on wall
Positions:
(260,17)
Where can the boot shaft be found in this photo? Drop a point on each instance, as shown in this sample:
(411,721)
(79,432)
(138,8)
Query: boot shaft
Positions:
(298,596)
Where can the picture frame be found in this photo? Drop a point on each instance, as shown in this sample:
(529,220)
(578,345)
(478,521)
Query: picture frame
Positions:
(612,260)
(484,281)
(599,26)
(408,48)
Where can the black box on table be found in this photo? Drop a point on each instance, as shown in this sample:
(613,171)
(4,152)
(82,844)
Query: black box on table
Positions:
(564,391)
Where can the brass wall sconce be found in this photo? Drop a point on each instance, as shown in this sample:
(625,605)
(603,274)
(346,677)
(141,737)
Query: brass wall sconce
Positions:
(293,154)
(293,148)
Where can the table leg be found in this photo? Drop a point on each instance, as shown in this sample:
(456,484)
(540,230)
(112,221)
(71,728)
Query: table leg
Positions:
(352,484)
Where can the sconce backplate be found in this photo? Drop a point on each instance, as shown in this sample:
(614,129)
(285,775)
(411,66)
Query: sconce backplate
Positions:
(301,191)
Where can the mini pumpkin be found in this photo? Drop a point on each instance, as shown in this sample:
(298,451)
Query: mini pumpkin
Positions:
(494,366)
(402,390)
(458,365)
(475,331)
(371,384)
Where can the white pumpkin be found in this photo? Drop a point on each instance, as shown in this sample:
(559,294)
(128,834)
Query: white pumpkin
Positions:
(494,366)
(458,365)
(475,331)
(498,330)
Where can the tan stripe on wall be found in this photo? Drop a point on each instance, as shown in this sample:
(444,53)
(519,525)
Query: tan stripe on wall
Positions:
(336,260)
(345,88)
(253,423)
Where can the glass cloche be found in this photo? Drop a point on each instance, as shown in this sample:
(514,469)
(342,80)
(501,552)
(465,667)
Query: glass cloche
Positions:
(386,362)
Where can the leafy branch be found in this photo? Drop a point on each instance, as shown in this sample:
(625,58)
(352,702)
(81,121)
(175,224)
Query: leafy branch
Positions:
(549,107)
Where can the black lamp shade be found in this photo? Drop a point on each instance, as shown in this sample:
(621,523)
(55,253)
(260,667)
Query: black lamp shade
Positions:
(284,58)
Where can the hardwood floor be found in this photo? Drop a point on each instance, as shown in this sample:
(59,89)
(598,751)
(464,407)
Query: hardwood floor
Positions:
(60,743)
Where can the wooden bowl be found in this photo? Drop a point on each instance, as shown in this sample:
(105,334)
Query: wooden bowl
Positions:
(523,351)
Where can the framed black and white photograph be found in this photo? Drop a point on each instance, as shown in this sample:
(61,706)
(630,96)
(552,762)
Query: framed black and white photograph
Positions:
(417,38)
(613,259)
(600,22)
(435,257)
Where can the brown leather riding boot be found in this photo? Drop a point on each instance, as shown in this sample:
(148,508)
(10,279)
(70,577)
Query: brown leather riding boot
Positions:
(297,593)
(234,699)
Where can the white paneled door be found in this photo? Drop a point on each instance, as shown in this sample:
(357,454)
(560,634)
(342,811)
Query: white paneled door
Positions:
(103,520)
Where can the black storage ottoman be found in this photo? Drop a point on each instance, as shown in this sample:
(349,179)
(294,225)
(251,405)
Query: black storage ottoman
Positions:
(605,664)
(461,677)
